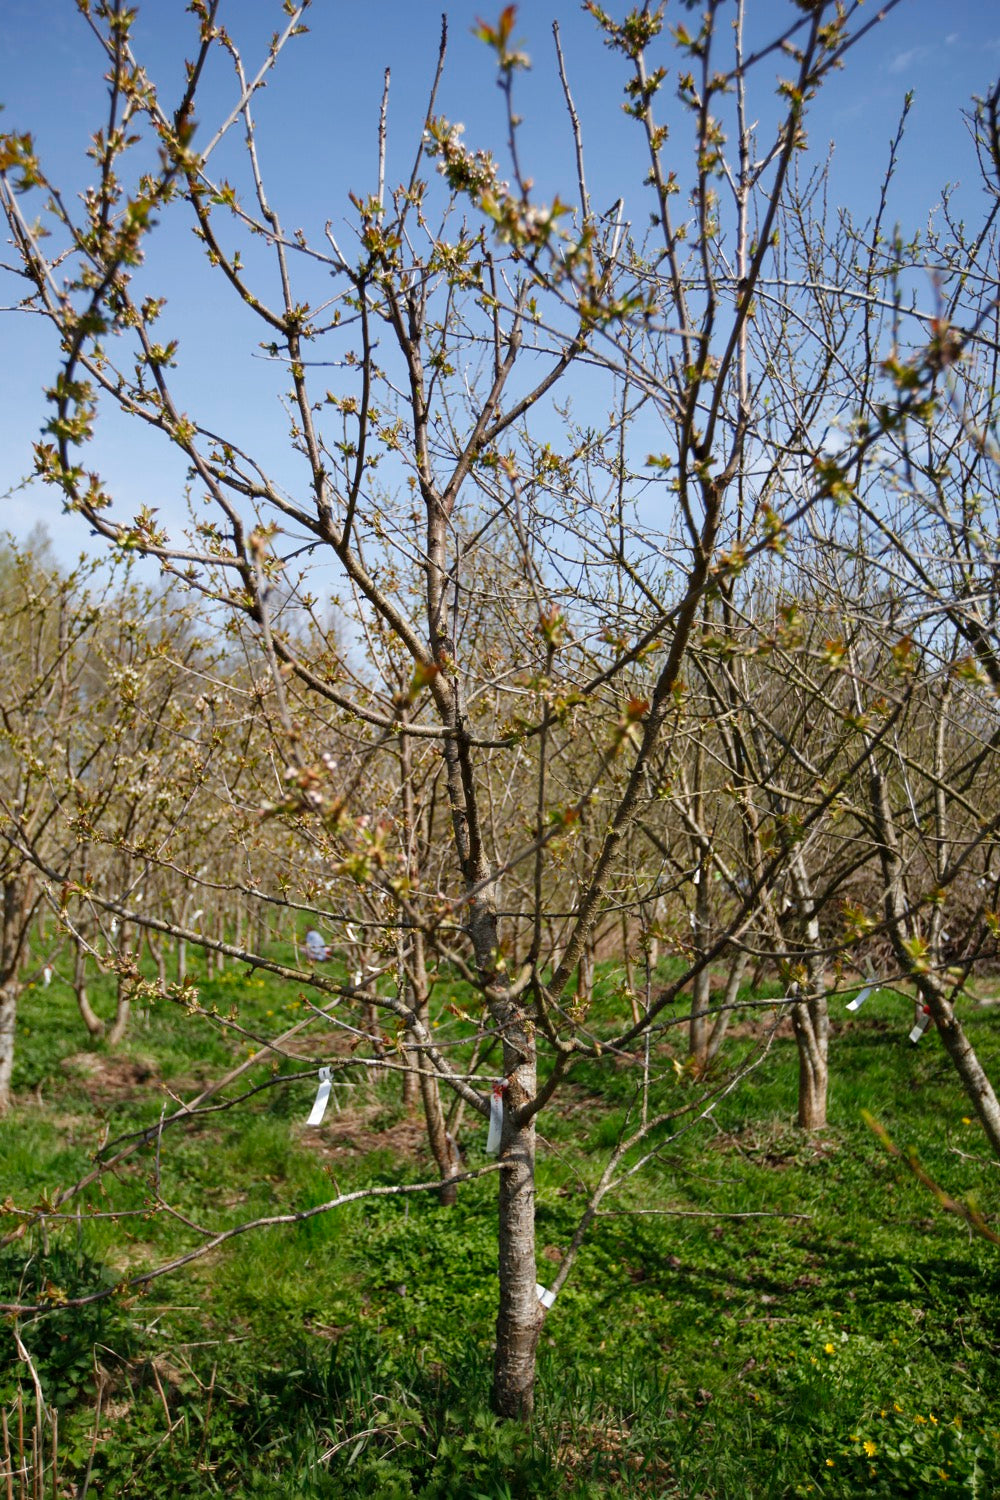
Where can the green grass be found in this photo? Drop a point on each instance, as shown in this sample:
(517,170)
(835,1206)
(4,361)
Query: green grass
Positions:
(847,1344)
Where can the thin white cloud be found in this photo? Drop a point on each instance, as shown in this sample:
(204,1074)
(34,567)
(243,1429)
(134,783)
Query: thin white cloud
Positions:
(903,61)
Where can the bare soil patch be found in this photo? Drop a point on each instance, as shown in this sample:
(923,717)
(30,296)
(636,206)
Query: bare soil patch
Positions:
(358,1129)
(107,1078)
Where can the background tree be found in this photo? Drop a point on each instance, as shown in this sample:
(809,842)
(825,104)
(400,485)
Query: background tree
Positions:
(48,746)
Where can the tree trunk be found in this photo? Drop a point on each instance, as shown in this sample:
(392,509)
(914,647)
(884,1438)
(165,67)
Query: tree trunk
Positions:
(18,888)
(413,974)
(698,1029)
(422,1080)
(701,915)
(156,953)
(653,938)
(123,1012)
(91,1019)
(810,1017)
(812,1029)
(585,976)
(408,985)
(123,1006)
(970,1070)
(519,1319)
(725,1013)
(8,1017)
(372,1027)
(442,1142)
(628,964)
(412,1083)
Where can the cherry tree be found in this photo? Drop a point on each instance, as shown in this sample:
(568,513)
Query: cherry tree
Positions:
(515,583)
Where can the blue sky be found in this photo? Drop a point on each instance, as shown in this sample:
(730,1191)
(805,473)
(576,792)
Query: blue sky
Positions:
(317,123)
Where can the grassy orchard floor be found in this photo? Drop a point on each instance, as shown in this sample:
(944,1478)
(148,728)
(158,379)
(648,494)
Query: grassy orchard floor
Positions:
(852,1352)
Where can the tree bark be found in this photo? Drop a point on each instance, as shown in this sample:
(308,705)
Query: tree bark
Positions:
(701,989)
(91,1019)
(970,1070)
(412,1090)
(443,1144)
(444,1147)
(413,967)
(736,972)
(18,906)
(123,1003)
(585,976)
(520,1314)
(812,1031)
(8,1019)
(159,958)
(810,1017)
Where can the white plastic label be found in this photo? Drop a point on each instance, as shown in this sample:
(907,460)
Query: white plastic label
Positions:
(545,1297)
(322,1098)
(921,1027)
(860,998)
(496,1117)
(47,975)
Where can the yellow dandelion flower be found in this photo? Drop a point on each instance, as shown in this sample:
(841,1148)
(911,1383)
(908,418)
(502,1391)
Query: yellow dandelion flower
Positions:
(921,1421)
(932,1419)
(829,1463)
(870,1448)
(828,1348)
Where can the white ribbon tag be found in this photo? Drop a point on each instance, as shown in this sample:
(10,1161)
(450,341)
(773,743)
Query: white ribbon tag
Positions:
(545,1297)
(860,998)
(921,1027)
(496,1117)
(47,975)
(322,1098)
